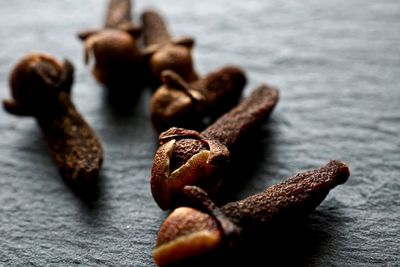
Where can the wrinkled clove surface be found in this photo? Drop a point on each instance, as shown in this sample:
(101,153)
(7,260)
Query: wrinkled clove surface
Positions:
(40,87)
(188,233)
(187,157)
(118,61)
(180,104)
(164,52)
(118,13)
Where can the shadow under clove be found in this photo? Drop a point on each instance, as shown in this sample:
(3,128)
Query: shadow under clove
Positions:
(246,160)
(88,193)
(291,243)
(296,242)
(122,97)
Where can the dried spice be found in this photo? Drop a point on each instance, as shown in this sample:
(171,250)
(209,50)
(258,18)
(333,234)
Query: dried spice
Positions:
(40,87)
(164,52)
(189,232)
(118,14)
(119,63)
(180,104)
(187,157)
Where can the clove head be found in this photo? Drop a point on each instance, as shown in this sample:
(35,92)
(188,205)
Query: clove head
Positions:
(185,234)
(36,82)
(182,104)
(175,102)
(174,55)
(185,158)
(115,52)
(189,233)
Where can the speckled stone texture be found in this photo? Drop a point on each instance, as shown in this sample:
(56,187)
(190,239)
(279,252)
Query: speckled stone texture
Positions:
(337,64)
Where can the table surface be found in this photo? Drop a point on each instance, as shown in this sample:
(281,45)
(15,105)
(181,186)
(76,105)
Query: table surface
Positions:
(337,65)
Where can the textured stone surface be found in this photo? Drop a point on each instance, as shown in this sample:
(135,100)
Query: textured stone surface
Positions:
(337,64)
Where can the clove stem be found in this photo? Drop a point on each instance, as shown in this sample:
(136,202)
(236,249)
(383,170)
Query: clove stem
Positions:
(294,197)
(72,143)
(229,128)
(154,29)
(118,13)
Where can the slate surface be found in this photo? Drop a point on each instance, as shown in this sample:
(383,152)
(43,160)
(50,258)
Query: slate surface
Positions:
(337,64)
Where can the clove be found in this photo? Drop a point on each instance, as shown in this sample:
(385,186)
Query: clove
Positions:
(189,233)
(40,87)
(164,52)
(118,14)
(182,104)
(187,157)
(118,60)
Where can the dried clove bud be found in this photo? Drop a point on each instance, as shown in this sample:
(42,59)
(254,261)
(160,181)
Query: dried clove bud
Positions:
(118,60)
(188,233)
(40,87)
(181,104)
(187,157)
(164,52)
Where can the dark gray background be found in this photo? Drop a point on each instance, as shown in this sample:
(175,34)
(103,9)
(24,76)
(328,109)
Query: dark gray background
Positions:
(337,65)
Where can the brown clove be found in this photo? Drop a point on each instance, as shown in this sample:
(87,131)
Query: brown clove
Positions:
(180,104)
(118,59)
(40,87)
(187,157)
(189,233)
(118,14)
(164,52)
